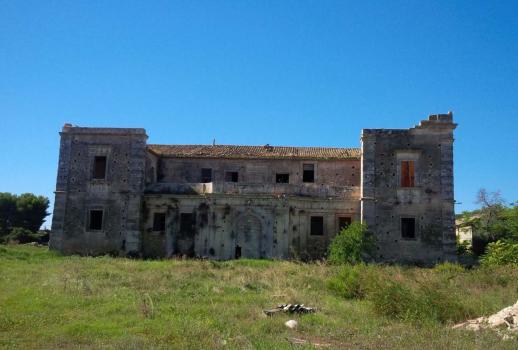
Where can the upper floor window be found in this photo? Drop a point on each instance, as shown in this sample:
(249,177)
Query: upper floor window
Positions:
(408,228)
(100,167)
(95,220)
(308,173)
(282,178)
(231,176)
(407,173)
(159,222)
(206,175)
(317,225)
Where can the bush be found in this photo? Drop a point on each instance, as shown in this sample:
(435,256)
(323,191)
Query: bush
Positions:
(426,303)
(352,245)
(21,235)
(500,253)
(353,281)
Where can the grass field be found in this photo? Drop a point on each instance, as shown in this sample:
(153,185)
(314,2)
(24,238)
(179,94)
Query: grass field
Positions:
(50,301)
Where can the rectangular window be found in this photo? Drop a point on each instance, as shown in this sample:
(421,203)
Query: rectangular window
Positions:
(407,173)
(95,220)
(100,167)
(408,228)
(317,225)
(187,223)
(308,173)
(231,176)
(343,222)
(282,178)
(159,222)
(206,175)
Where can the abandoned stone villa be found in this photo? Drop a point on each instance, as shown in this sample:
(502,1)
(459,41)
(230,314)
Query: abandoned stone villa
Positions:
(117,194)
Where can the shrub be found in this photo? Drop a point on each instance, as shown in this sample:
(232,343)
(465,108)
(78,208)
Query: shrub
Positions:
(428,303)
(353,281)
(500,253)
(21,235)
(449,268)
(352,245)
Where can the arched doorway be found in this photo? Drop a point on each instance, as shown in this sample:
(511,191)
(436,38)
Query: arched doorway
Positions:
(248,237)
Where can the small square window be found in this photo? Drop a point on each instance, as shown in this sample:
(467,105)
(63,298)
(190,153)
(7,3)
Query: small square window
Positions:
(95,220)
(100,167)
(231,176)
(282,178)
(343,222)
(408,228)
(308,173)
(206,175)
(317,225)
(159,222)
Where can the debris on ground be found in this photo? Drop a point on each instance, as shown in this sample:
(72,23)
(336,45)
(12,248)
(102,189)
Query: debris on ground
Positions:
(505,322)
(291,324)
(304,342)
(290,308)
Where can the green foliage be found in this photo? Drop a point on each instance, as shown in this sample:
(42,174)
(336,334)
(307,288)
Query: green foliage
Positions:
(500,253)
(26,211)
(352,245)
(353,281)
(20,235)
(449,268)
(49,301)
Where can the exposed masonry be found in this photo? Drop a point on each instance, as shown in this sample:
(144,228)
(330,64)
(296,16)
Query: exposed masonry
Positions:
(116,194)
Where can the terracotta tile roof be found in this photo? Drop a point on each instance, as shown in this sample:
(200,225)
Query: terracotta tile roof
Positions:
(253,152)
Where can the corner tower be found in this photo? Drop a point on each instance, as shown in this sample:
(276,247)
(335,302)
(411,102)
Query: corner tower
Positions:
(99,190)
(407,195)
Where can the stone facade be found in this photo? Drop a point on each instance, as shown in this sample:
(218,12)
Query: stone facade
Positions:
(117,194)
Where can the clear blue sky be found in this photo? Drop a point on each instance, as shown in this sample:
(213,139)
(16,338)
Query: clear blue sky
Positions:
(256,72)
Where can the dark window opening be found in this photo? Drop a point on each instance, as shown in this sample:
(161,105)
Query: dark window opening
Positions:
(100,167)
(343,222)
(308,174)
(206,175)
(187,223)
(282,178)
(159,222)
(231,176)
(407,173)
(237,254)
(96,220)
(317,225)
(408,228)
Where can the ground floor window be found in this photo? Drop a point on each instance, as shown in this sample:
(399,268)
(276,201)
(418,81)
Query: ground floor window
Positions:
(408,228)
(95,220)
(159,222)
(343,222)
(317,225)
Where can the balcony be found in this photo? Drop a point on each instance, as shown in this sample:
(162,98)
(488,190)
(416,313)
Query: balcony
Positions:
(275,189)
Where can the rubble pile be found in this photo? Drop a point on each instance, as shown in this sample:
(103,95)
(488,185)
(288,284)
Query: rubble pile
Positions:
(504,321)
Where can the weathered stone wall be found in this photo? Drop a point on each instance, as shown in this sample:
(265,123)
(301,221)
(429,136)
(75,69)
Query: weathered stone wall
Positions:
(263,218)
(327,172)
(263,226)
(119,195)
(430,201)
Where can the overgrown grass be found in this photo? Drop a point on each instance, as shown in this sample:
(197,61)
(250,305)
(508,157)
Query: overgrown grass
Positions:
(50,301)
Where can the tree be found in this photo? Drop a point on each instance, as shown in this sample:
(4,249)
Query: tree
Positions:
(7,212)
(26,211)
(352,245)
(493,221)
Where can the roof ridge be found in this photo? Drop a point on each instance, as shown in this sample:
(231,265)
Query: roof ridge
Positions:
(232,145)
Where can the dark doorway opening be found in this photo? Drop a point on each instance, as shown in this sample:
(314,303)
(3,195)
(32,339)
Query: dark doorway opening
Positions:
(238,252)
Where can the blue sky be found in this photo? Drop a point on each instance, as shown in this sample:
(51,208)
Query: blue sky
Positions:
(255,72)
